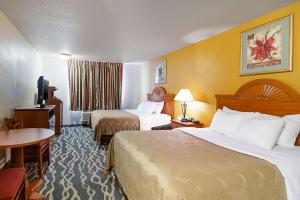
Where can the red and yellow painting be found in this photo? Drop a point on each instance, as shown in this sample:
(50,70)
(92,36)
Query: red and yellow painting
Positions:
(264,48)
(267,48)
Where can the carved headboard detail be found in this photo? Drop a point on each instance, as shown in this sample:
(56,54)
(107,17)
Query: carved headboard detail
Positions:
(263,95)
(267,89)
(160,94)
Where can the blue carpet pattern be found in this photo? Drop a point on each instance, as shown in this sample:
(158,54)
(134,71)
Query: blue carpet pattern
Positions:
(76,170)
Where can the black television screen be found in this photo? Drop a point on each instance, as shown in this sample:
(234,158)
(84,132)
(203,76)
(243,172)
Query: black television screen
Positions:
(42,85)
(46,85)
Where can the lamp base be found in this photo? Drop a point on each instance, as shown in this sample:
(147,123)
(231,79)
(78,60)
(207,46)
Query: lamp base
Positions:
(184,120)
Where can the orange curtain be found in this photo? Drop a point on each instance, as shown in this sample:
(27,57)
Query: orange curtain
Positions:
(95,85)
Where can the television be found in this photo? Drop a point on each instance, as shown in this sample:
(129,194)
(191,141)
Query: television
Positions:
(42,85)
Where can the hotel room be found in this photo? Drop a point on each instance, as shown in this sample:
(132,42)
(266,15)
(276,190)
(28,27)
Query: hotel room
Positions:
(149,100)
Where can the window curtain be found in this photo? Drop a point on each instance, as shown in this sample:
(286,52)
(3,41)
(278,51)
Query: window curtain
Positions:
(95,85)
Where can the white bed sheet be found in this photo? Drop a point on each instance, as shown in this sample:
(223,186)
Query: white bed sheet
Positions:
(287,160)
(147,121)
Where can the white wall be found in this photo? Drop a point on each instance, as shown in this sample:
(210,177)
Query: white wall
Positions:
(19,70)
(135,84)
(55,70)
(146,83)
(131,86)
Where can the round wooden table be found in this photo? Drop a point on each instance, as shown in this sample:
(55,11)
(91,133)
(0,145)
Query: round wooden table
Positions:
(19,138)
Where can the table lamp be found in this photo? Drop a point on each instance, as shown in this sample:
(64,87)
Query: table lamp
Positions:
(184,95)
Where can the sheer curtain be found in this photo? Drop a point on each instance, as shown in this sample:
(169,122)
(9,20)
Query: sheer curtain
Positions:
(95,85)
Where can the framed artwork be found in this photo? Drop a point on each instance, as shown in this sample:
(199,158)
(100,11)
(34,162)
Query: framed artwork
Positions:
(267,48)
(161,72)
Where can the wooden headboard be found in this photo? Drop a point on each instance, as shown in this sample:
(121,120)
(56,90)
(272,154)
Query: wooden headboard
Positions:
(263,95)
(160,94)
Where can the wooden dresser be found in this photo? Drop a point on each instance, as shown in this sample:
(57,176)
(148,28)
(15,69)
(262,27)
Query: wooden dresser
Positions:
(38,117)
(52,100)
(49,117)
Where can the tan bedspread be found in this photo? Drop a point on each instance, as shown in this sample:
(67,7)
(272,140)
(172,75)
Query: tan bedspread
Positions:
(172,165)
(109,122)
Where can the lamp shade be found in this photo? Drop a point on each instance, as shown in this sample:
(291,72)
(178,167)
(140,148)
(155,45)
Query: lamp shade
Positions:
(184,95)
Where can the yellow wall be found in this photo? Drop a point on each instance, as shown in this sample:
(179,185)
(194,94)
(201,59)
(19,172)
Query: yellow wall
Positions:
(211,66)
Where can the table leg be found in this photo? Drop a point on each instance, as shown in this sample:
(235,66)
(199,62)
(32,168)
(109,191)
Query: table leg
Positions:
(17,155)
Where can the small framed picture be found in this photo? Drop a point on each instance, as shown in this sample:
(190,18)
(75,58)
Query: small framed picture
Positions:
(267,48)
(161,72)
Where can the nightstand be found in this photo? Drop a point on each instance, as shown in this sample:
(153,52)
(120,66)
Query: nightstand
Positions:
(163,127)
(177,124)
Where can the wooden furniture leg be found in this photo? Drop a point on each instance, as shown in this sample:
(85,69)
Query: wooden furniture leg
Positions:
(40,163)
(35,196)
(23,192)
(18,156)
(32,189)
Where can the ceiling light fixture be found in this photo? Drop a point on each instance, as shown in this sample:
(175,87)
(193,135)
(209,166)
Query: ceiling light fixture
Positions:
(65,55)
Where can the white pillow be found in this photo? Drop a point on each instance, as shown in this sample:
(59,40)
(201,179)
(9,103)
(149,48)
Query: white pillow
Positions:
(267,116)
(290,133)
(159,107)
(226,109)
(260,132)
(247,115)
(295,117)
(146,107)
(226,123)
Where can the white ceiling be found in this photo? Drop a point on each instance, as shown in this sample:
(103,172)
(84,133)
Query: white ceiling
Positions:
(127,30)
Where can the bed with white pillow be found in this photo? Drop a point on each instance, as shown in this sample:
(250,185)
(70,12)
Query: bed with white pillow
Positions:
(148,121)
(264,136)
(260,123)
(286,159)
(156,111)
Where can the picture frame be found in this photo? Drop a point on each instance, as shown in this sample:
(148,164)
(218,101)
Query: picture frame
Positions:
(161,72)
(267,48)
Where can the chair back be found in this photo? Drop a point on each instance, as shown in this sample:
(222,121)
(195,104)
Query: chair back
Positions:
(14,122)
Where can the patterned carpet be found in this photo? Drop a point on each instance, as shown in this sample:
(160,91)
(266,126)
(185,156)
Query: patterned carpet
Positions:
(76,170)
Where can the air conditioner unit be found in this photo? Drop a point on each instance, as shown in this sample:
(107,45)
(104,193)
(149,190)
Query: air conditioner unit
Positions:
(86,118)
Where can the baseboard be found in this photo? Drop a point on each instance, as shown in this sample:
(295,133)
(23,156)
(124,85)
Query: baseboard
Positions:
(72,125)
